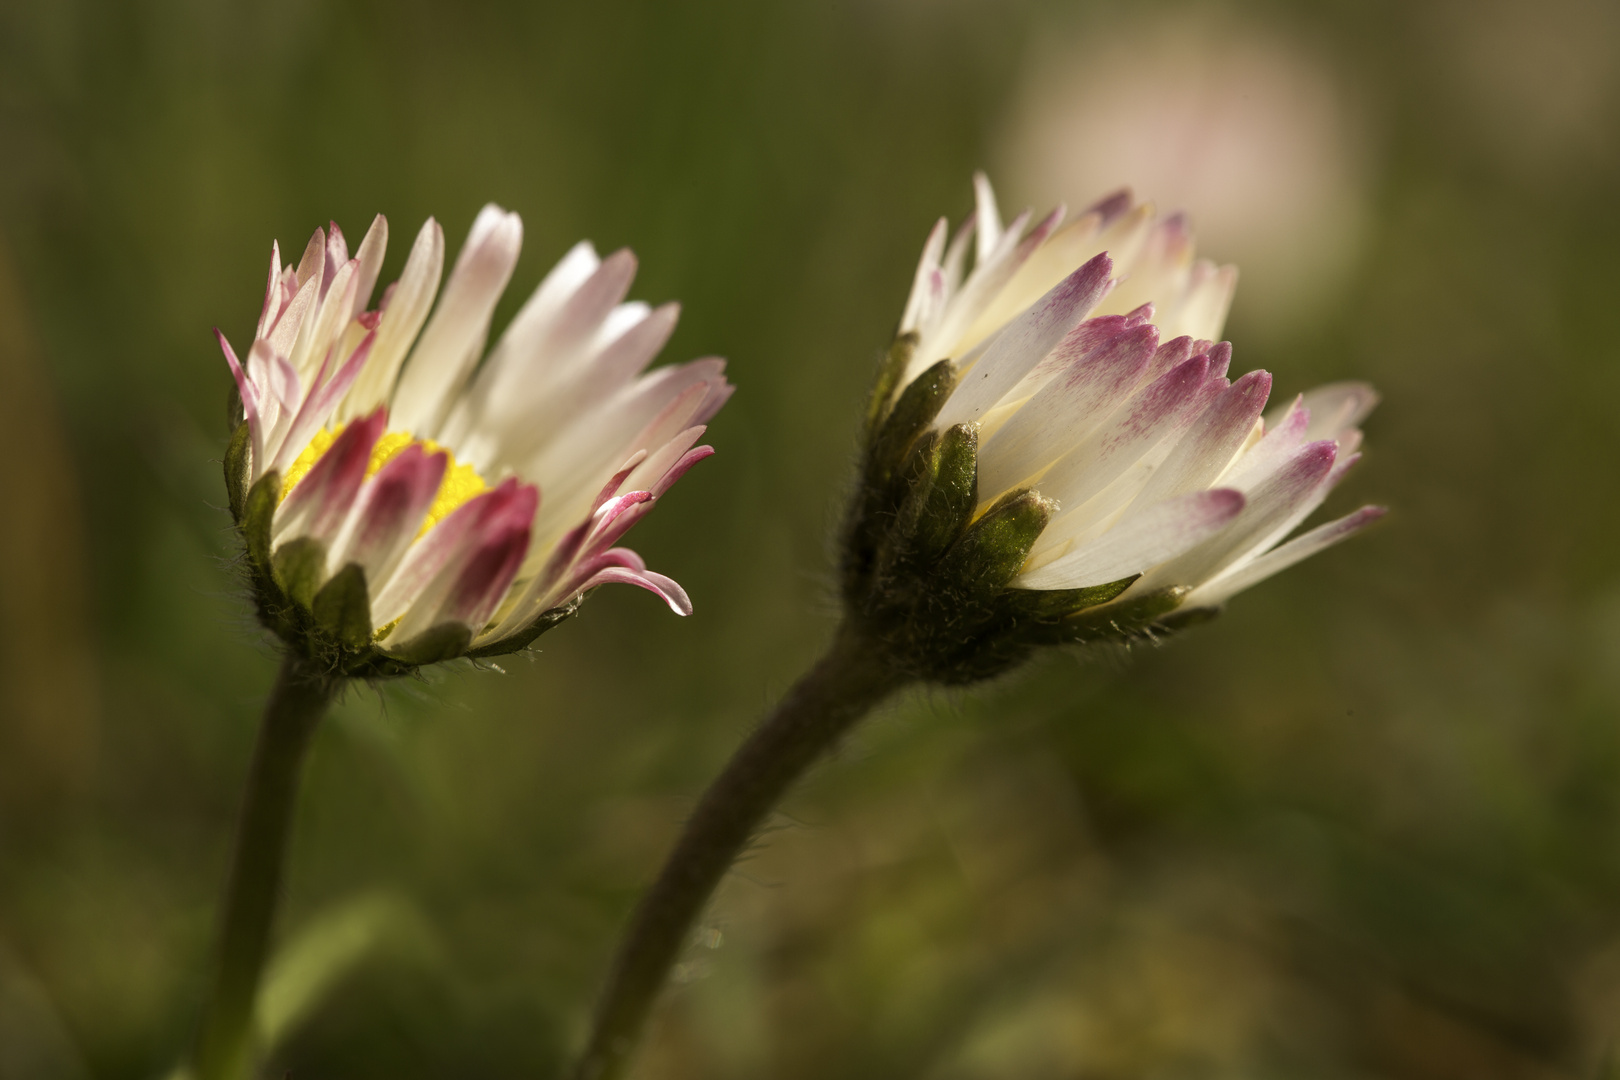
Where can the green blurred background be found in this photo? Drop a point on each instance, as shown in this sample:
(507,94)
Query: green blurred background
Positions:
(1365,825)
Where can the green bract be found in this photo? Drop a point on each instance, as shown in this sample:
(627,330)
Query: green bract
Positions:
(929,582)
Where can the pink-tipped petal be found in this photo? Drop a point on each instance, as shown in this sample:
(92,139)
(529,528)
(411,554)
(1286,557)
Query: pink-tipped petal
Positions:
(611,488)
(1281,558)
(1337,408)
(250,405)
(666,588)
(319,406)
(389,513)
(662,458)
(440,552)
(319,503)
(485,577)
(1170,354)
(1025,342)
(1275,505)
(680,468)
(1154,414)
(1212,442)
(1105,358)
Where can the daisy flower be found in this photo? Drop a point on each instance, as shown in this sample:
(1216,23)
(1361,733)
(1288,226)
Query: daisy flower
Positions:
(406,498)
(1057,424)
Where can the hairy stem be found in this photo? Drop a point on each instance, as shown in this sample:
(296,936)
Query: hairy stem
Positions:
(824,704)
(297,702)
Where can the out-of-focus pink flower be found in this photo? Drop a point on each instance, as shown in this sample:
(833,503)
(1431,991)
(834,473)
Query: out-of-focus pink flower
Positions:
(1245,127)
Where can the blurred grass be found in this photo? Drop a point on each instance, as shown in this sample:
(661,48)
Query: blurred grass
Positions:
(1363,826)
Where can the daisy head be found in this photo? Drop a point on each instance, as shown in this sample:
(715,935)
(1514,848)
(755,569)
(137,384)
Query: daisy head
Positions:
(406,497)
(1055,450)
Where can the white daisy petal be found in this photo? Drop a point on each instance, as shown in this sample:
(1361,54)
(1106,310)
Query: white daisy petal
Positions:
(1149,536)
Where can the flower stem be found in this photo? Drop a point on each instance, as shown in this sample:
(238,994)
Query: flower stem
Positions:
(298,700)
(824,704)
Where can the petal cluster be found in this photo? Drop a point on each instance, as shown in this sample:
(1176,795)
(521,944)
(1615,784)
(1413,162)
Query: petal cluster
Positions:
(418,497)
(1085,359)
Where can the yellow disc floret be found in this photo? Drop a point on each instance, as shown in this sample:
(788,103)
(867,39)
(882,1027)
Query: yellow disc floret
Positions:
(461,482)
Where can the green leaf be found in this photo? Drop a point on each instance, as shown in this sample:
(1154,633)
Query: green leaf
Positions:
(343,607)
(328,948)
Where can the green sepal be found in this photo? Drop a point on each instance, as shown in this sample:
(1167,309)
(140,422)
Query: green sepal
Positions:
(889,474)
(919,403)
(915,482)
(890,371)
(991,552)
(258,512)
(525,637)
(443,642)
(299,568)
(1057,603)
(236,465)
(951,497)
(1138,617)
(343,607)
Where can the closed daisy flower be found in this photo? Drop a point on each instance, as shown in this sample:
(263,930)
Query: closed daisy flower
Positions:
(1056,452)
(405,498)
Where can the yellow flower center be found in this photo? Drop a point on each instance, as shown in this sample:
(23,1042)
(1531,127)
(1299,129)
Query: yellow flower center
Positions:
(461,482)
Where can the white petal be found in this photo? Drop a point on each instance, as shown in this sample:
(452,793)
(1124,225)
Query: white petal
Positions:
(1213,441)
(1275,506)
(989,217)
(448,348)
(370,258)
(1337,408)
(1155,413)
(927,267)
(1024,343)
(1105,360)
(1141,540)
(1218,590)
(407,309)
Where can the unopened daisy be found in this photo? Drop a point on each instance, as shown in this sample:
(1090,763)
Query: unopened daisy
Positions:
(1056,451)
(406,499)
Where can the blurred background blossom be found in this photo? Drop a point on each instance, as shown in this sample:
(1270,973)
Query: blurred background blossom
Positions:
(1364,826)
(1241,124)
